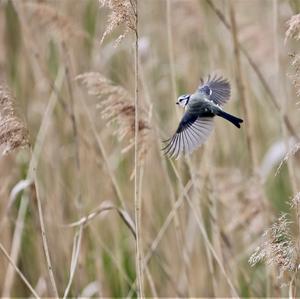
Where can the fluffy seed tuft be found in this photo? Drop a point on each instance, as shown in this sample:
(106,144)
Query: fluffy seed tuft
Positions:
(13,133)
(277,247)
(293,30)
(117,106)
(122,13)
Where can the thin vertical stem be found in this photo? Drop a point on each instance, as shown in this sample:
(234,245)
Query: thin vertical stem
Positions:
(75,257)
(70,73)
(171,50)
(15,267)
(241,89)
(44,237)
(178,227)
(264,204)
(137,199)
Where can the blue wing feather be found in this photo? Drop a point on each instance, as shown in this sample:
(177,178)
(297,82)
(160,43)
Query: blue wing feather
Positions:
(190,134)
(187,120)
(217,88)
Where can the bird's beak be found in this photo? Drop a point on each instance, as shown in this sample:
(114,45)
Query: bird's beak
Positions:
(177,103)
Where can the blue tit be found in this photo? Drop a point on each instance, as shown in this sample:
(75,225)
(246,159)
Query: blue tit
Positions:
(200,109)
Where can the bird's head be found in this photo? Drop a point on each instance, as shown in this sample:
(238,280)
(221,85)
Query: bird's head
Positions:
(183,100)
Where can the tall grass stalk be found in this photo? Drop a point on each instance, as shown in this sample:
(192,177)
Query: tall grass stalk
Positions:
(171,51)
(74,259)
(241,90)
(10,260)
(137,198)
(172,63)
(44,237)
(147,97)
(70,74)
(248,120)
(216,228)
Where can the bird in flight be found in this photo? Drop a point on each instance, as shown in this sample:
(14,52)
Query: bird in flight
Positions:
(200,109)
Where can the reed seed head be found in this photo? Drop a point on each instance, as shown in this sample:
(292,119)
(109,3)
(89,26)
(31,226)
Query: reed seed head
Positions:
(293,30)
(277,248)
(13,133)
(117,106)
(122,13)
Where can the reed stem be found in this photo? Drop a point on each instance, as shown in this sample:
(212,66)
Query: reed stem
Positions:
(137,198)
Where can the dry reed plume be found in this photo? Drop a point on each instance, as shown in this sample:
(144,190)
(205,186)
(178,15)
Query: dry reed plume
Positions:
(293,30)
(277,247)
(122,13)
(13,133)
(116,106)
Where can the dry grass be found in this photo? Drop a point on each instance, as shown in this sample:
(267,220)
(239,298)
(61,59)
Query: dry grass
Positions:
(122,13)
(277,247)
(116,107)
(13,133)
(293,30)
(101,210)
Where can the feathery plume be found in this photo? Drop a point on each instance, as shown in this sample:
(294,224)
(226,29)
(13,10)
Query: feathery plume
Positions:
(290,153)
(296,200)
(13,133)
(122,13)
(117,106)
(293,30)
(277,247)
(295,76)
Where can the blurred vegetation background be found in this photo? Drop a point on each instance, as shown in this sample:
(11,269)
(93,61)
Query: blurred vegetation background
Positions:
(67,201)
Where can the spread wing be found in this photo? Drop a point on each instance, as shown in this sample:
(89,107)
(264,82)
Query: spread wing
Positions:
(190,134)
(218,89)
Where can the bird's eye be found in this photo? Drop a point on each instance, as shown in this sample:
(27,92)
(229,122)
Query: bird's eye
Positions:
(180,100)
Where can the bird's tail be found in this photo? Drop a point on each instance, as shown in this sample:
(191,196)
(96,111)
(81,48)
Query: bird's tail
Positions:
(235,120)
